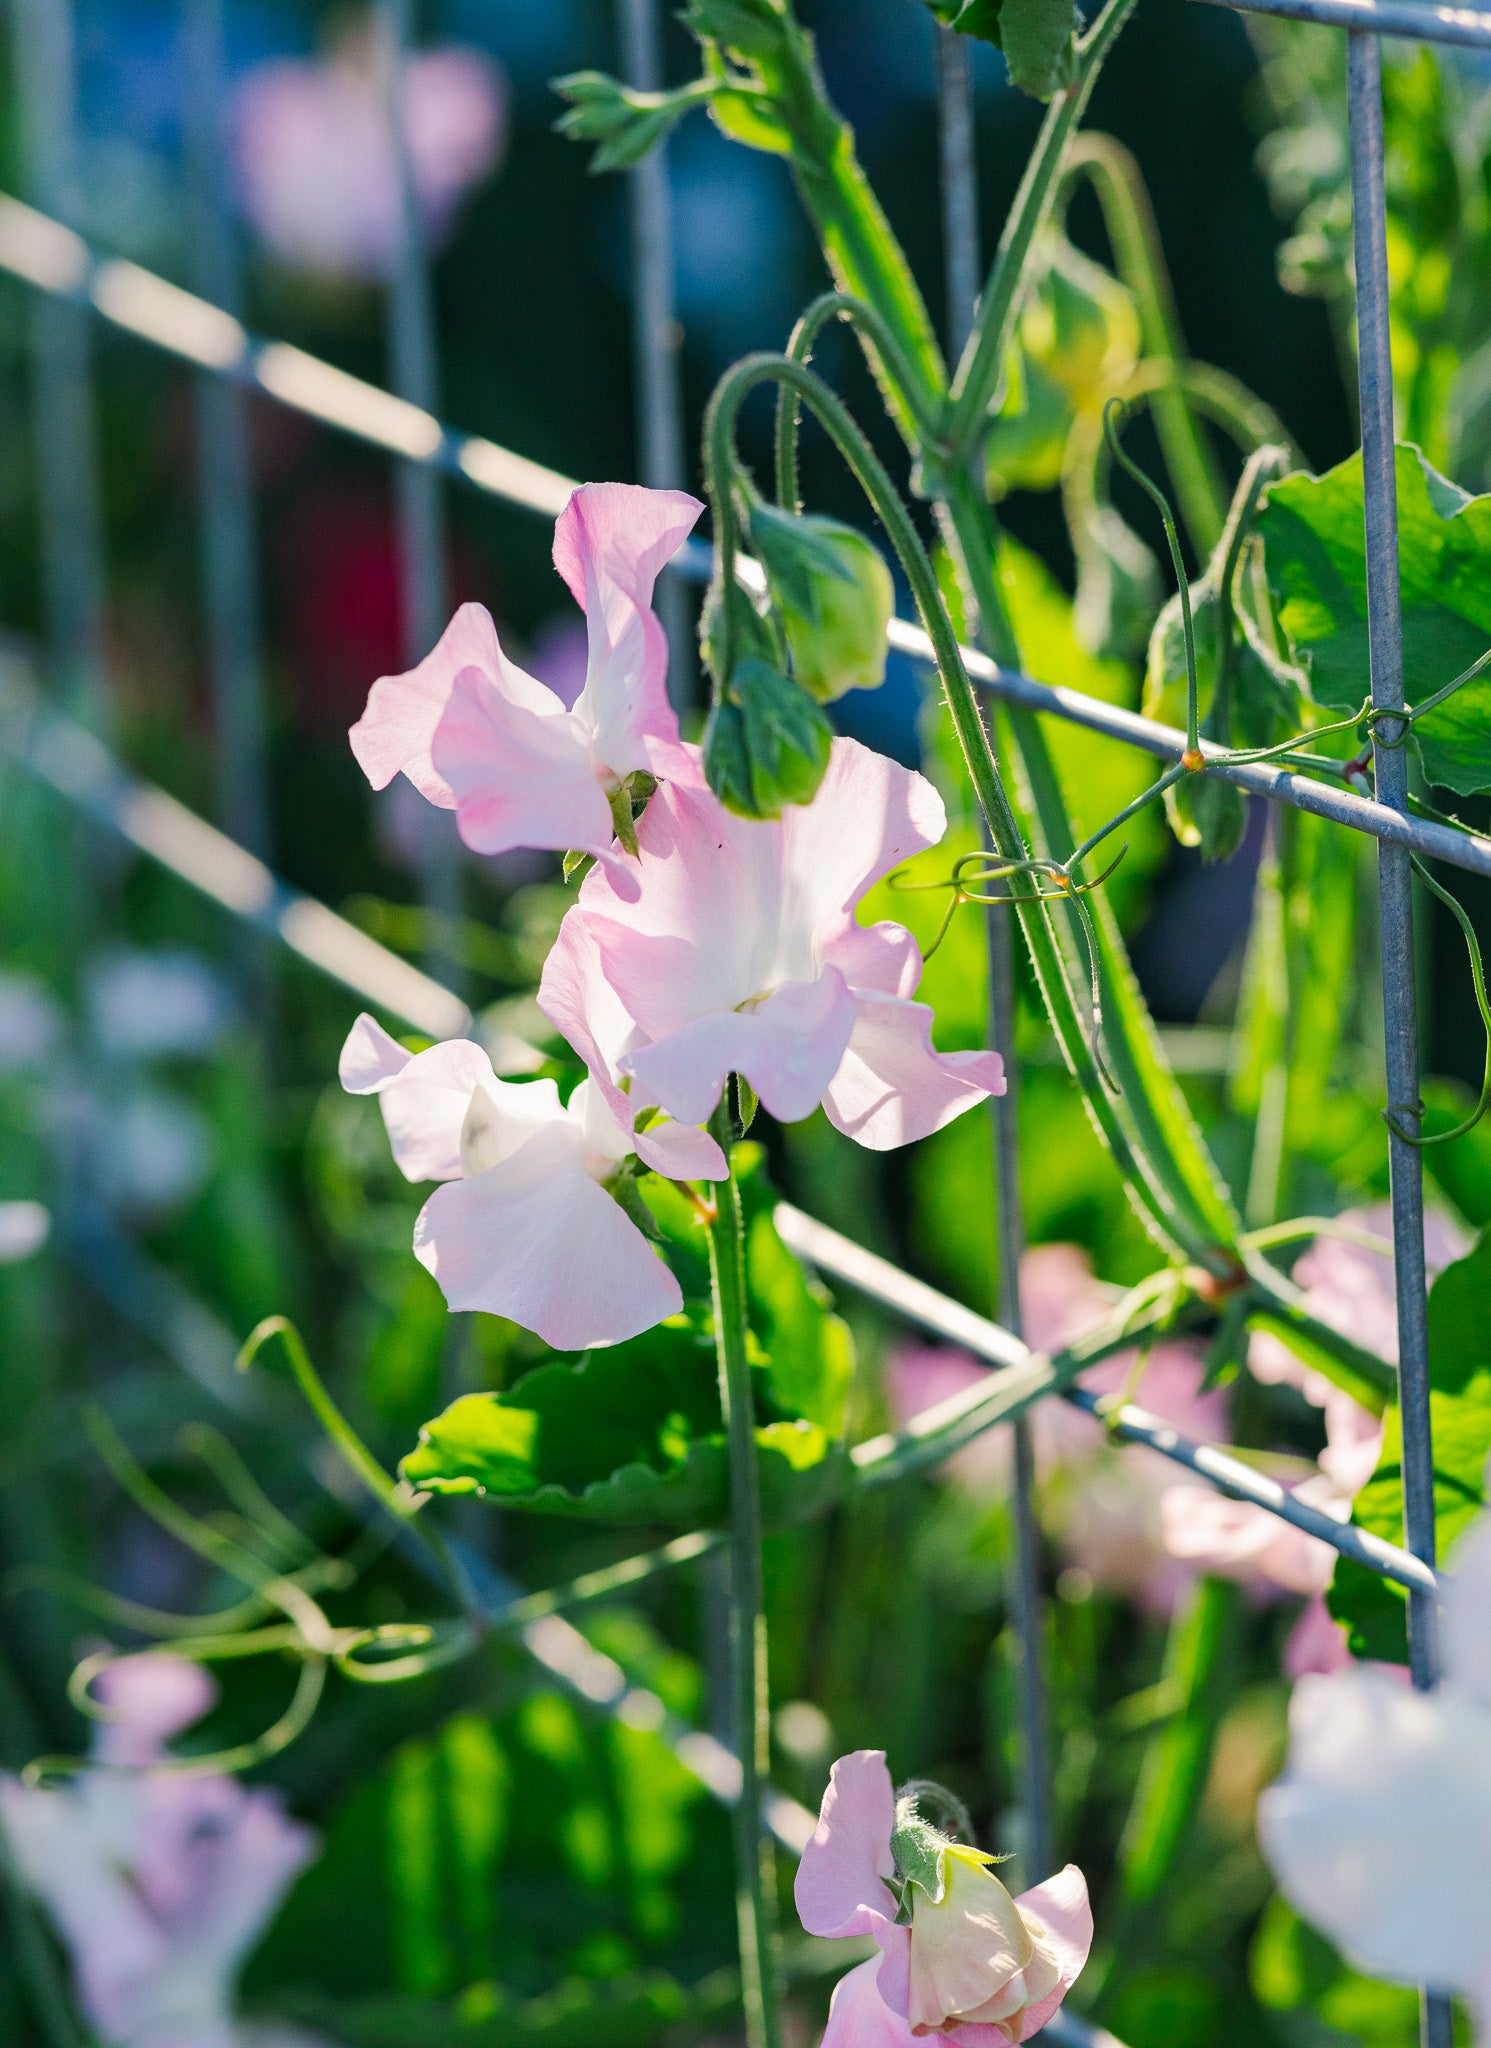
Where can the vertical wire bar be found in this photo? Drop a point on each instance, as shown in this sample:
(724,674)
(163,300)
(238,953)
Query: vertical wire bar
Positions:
(224,481)
(963,270)
(421,521)
(656,336)
(72,551)
(1385,640)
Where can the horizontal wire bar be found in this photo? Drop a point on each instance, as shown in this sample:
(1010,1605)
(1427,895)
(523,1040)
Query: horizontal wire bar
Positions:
(843,1260)
(45,254)
(1463,25)
(1467,850)
(78,767)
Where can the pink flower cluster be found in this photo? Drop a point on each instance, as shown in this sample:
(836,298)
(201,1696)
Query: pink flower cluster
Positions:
(160,1882)
(700,944)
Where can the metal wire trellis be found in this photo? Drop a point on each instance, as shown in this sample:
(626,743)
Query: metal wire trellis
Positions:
(40,245)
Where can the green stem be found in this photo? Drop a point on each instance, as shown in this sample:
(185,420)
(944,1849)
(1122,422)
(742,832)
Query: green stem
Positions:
(983,360)
(885,500)
(878,336)
(755,1869)
(1116,178)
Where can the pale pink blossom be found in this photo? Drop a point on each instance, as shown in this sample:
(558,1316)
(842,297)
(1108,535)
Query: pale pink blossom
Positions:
(478,735)
(1380,1830)
(737,950)
(974,1966)
(159,1882)
(316,166)
(525,1226)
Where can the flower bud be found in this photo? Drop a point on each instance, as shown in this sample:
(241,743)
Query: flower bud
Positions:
(834,596)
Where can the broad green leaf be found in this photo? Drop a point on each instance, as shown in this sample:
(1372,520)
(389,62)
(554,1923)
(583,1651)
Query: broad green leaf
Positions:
(1460,1404)
(630,1436)
(1316,561)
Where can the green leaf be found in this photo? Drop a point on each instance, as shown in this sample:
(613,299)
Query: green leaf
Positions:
(1118,586)
(1460,1415)
(625,124)
(629,1436)
(746,28)
(1037,37)
(1316,562)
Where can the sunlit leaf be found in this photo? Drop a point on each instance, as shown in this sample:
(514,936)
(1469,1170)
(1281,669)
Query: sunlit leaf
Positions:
(1316,557)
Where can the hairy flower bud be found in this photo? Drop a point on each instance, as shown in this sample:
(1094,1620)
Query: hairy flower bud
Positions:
(834,595)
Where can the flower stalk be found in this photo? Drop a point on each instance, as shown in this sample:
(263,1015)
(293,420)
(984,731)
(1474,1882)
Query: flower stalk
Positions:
(755,1872)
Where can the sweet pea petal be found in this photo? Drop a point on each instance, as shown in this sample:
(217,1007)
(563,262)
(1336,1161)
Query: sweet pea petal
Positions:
(1467,1605)
(610,542)
(537,1240)
(841,1887)
(1059,1913)
(858,2017)
(371,1058)
(1380,1832)
(880,956)
(519,777)
(149,1698)
(424,1100)
(398,726)
(893,1087)
(788,1049)
(733,908)
(579,1002)
(102,1918)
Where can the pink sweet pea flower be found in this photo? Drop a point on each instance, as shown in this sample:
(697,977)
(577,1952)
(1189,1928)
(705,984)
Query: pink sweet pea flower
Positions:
(736,950)
(1378,1830)
(977,1967)
(319,179)
(477,735)
(159,1883)
(524,1227)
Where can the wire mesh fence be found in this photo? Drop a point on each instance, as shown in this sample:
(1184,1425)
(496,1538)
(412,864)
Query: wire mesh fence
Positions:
(56,727)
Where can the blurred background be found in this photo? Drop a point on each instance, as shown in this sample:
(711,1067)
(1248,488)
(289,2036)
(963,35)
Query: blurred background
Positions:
(500,1866)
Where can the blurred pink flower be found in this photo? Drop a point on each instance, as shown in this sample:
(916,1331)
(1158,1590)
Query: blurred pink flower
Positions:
(477,735)
(317,173)
(526,1225)
(1104,1502)
(159,1882)
(1351,1288)
(737,950)
(1378,1830)
(974,1966)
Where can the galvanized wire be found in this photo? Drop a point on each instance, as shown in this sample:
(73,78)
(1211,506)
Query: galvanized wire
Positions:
(224,477)
(657,338)
(421,513)
(963,266)
(1395,884)
(72,548)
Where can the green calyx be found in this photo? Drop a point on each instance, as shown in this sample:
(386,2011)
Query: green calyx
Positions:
(767,742)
